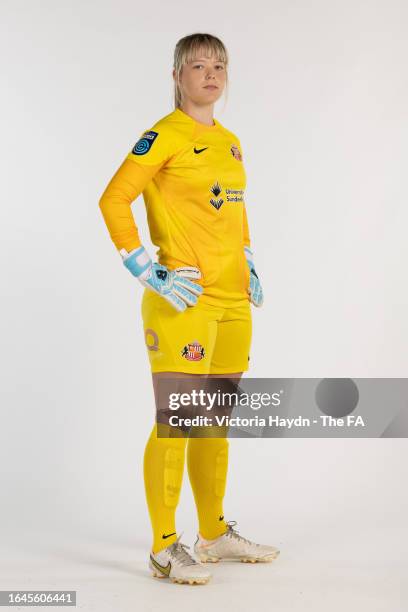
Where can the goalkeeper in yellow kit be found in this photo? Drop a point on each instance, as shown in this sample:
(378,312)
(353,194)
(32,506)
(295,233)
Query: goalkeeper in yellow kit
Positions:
(196,303)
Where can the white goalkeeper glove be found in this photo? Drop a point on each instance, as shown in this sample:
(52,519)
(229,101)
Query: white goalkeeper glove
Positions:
(172,285)
(255,289)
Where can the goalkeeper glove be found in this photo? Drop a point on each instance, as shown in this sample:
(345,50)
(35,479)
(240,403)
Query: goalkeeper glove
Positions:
(255,289)
(173,286)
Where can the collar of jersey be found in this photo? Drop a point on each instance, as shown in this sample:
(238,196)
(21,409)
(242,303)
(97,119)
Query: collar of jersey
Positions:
(184,115)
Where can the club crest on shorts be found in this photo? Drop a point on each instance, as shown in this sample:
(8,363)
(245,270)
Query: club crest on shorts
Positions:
(236,152)
(193,351)
(144,144)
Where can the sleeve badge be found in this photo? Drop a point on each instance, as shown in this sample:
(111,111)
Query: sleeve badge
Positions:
(145,143)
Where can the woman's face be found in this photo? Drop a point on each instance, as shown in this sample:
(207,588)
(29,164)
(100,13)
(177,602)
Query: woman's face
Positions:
(203,79)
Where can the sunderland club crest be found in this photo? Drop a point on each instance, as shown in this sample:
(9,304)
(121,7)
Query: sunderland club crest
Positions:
(193,351)
(236,152)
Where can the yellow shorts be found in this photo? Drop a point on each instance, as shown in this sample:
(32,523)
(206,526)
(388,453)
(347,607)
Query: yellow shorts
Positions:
(204,339)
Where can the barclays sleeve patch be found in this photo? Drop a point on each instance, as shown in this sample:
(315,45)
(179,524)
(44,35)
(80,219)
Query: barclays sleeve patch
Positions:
(145,143)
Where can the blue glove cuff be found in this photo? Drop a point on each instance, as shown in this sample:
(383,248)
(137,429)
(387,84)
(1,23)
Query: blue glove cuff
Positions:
(138,261)
(249,256)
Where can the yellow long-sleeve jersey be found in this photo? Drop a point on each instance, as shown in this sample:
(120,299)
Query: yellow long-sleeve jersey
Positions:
(193,180)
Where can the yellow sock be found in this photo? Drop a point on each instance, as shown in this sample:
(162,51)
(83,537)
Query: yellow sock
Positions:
(163,474)
(207,462)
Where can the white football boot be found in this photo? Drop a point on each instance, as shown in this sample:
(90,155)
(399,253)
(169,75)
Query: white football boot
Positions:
(176,563)
(233,547)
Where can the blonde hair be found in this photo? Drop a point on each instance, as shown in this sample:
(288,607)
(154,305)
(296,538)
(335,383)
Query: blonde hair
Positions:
(187,49)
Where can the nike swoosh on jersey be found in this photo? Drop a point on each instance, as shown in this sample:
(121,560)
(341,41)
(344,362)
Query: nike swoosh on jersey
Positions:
(164,569)
(200,150)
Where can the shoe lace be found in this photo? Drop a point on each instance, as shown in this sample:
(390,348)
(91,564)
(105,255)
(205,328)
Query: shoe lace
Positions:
(233,533)
(179,553)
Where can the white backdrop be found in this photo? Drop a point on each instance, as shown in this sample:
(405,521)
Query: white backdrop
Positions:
(318,97)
